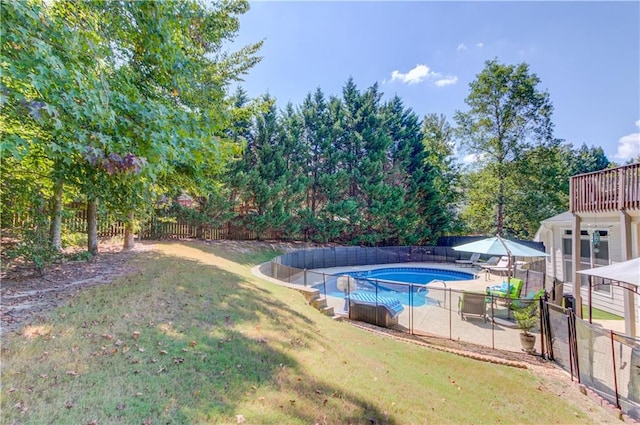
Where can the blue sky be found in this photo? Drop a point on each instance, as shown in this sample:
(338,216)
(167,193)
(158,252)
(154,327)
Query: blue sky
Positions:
(586,54)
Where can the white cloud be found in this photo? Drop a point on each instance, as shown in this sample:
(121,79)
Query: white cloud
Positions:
(461,46)
(472,158)
(629,146)
(479,45)
(414,76)
(446,81)
(420,74)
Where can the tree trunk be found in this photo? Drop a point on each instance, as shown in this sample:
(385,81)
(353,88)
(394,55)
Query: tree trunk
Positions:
(92,226)
(129,239)
(55,231)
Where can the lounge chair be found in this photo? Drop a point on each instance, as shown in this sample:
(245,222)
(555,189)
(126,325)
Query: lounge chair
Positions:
(471,261)
(474,304)
(509,290)
(503,266)
(525,302)
(490,262)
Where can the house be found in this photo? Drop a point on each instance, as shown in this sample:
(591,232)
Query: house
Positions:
(602,227)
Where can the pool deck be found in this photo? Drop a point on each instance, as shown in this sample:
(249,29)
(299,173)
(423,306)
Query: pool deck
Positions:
(441,318)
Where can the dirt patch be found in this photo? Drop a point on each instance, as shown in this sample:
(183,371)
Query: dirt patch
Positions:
(25,296)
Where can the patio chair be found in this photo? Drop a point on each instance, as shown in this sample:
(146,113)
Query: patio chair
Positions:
(525,302)
(474,304)
(471,261)
(503,266)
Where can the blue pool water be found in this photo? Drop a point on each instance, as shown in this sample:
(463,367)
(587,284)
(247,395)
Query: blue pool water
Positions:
(407,284)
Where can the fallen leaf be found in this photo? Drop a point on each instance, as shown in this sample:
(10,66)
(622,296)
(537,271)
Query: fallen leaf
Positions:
(239,419)
(68,405)
(94,422)
(136,334)
(164,352)
(107,336)
(10,390)
(72,373)
(162,369)
(119,342)
(121,406)
(193,343)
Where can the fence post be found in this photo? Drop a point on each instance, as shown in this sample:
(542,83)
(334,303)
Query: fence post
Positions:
(615,375)
(324,284)
(450,318)
(411,308)
(305,277)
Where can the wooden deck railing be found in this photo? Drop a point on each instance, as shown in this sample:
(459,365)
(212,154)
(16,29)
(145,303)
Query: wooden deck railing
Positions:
(615,189)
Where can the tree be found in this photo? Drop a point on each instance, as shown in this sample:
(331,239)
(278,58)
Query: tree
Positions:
(508,114)
(586,160)
(444,176)
(122,104)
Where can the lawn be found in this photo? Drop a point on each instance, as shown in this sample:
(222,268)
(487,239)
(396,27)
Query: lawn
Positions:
(192,337)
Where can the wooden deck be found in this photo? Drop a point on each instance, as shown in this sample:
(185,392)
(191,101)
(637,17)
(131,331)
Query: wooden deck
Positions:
(616,189)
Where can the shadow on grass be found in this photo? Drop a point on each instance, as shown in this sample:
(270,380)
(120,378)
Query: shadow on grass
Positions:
(179,342)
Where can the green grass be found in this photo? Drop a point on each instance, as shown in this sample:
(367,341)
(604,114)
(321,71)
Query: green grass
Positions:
(598,314)
(193,337)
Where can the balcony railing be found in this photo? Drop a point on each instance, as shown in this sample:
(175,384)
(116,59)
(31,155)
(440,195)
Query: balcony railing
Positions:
(615,189)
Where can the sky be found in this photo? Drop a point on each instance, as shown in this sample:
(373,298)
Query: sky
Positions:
(586,54)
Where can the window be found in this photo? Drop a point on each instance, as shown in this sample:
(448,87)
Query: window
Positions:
(600,258)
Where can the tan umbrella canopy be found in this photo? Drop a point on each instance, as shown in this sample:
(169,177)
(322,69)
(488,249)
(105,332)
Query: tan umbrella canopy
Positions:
(625,275)
(624,272)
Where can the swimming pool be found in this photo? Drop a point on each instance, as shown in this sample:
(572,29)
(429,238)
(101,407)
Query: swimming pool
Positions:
(407,284)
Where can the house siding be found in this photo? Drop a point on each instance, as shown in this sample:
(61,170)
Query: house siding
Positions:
(613,301)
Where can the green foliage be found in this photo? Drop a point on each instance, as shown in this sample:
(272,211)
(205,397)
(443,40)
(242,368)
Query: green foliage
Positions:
(508,116)
(108,100)
(527,318)
(82,256)
(74,239)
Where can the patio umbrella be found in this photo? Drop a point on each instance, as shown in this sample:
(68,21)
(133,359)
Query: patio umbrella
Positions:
(500,246)
(626,273)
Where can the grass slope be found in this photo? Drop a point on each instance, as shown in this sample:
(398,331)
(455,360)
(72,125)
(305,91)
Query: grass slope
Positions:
(194,337)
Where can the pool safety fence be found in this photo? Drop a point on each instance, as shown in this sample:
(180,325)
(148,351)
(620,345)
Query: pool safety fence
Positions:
(606,362)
